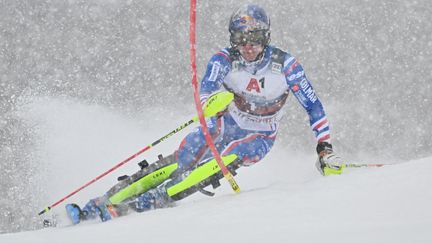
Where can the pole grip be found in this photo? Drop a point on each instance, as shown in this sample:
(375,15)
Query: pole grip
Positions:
(44,211)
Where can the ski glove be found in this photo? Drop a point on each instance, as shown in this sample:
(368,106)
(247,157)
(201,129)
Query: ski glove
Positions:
(328,162)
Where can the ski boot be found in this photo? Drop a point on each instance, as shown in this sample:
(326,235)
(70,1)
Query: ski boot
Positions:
(98,207)
(75,213)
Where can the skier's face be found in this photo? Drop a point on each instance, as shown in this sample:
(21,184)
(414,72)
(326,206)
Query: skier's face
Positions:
(250,52)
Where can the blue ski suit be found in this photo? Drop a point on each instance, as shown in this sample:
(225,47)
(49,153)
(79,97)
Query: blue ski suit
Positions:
(249,126)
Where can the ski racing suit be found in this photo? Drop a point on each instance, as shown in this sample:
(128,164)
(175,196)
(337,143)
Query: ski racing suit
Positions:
(249,126)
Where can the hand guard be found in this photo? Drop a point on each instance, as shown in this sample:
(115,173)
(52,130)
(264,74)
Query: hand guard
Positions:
(217,103)
(328,162)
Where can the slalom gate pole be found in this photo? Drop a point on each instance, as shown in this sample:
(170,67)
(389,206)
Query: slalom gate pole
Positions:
(215,104)
(192,41)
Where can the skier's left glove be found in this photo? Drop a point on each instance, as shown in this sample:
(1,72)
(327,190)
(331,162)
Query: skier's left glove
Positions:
(328,162)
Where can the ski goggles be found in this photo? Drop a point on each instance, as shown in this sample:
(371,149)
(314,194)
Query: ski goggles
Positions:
(259,37)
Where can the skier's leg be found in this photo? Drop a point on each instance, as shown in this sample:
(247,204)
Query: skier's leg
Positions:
(152,199)
(194,146)
(251,148)
(190,152)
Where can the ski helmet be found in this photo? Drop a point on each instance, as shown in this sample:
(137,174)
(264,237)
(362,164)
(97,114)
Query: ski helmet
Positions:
(249,24)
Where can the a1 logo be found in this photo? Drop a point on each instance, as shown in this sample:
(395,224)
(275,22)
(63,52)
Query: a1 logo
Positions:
(256,85)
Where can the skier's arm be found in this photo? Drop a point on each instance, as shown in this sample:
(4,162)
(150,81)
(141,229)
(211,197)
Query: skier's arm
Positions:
(217,68)
(328,163)
(305,94)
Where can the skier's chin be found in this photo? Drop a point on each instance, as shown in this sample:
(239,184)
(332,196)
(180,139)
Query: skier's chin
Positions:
(250,58)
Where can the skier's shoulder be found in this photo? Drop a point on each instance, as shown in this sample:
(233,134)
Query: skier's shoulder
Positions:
(281,56)
(224,56)
(280,59)
(291,67)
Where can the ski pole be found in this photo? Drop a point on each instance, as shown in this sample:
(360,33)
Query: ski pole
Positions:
(192,42)
(364,165)
(215,104)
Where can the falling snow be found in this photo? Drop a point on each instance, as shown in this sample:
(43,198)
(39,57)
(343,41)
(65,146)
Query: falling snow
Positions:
(369,62)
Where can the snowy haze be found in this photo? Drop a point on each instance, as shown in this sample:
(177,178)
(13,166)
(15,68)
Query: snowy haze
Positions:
(84,84)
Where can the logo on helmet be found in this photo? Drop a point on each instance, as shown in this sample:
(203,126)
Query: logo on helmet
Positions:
(248,23)
(245,19)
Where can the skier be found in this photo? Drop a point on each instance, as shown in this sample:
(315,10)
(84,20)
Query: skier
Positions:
(260,76)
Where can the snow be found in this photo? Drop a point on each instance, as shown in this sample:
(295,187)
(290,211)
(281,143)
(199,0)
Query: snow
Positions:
(283,198)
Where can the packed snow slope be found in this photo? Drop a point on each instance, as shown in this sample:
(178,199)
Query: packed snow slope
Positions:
(282,199)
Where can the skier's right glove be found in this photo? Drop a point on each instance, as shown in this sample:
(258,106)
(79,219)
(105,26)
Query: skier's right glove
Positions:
(328,162)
